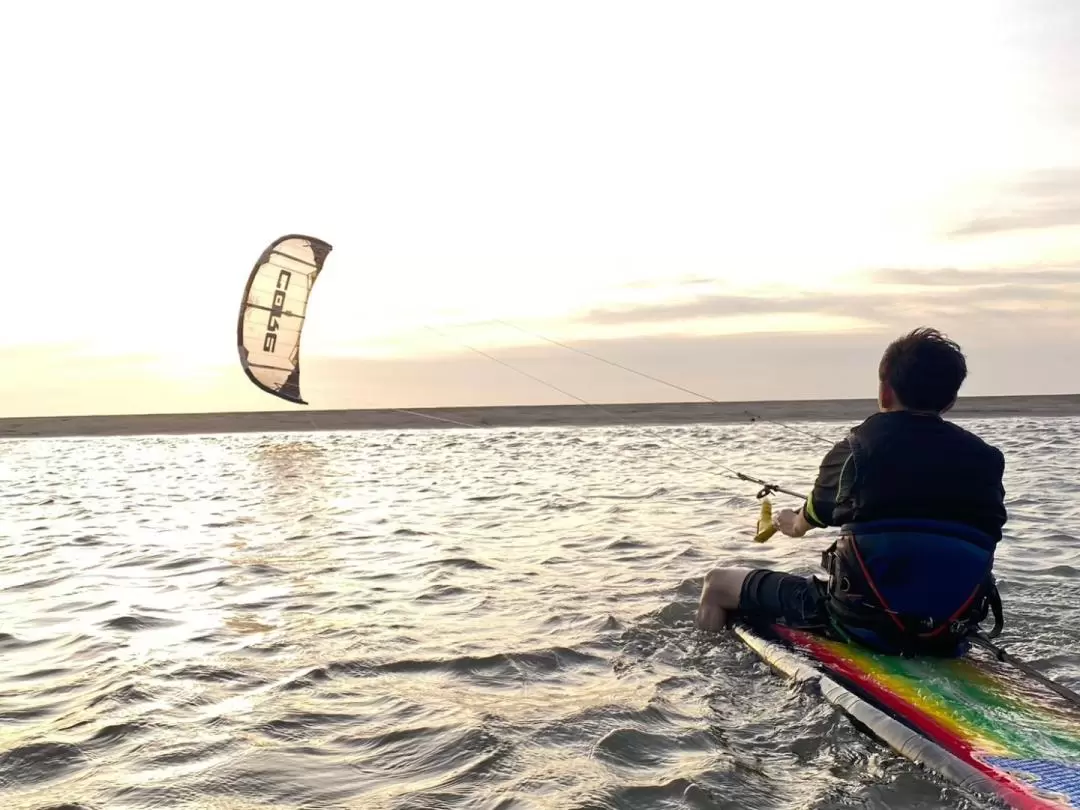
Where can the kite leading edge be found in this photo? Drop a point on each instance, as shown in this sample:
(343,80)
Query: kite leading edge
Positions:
(273,310)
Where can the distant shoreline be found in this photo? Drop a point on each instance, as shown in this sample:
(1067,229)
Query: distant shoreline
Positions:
(660,413)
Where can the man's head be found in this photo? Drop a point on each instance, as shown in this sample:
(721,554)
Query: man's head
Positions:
(921,371)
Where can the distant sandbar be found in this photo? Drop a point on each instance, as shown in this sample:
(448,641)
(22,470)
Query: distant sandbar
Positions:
(663,413)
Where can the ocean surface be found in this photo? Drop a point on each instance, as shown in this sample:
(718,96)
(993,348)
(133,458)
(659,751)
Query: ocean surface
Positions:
(486,619)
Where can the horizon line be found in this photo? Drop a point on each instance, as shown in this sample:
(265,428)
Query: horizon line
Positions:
(302,419)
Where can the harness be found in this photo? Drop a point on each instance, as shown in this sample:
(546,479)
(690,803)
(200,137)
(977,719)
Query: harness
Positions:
(911,587)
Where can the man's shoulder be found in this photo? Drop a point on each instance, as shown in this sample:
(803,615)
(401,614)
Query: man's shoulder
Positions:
(888,421)
(977,443)
(969,435)
(867,423)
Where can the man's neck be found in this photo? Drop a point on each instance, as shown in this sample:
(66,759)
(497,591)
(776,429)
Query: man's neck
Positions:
(912,411)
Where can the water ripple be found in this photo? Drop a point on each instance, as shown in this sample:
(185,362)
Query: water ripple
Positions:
(445,619)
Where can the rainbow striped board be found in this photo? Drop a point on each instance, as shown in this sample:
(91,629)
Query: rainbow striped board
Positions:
(977,722)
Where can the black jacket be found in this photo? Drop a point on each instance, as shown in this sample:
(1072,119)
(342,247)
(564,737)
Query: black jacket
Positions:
(908,465)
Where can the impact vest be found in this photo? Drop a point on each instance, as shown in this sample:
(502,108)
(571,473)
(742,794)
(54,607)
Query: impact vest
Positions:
(909,465)
(920,515)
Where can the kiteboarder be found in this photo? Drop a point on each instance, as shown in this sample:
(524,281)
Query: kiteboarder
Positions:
(920,504)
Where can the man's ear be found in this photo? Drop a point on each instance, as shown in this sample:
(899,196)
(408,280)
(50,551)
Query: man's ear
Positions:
(886,397)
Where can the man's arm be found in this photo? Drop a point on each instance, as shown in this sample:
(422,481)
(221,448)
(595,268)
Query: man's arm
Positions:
(817,512)
(819,507)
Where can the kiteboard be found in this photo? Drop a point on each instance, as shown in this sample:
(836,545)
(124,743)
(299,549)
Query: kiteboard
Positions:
(973,720)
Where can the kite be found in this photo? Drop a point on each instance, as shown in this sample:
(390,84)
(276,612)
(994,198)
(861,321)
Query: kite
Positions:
(273,310)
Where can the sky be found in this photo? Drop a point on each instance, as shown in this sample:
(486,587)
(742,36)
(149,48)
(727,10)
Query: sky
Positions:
(749,200)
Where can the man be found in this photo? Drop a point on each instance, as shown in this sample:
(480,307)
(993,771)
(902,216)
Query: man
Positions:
(921,505)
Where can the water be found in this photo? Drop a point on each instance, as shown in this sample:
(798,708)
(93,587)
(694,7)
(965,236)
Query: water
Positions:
(444,619)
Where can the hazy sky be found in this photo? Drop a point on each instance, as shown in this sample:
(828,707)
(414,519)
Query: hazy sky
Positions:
(748,199)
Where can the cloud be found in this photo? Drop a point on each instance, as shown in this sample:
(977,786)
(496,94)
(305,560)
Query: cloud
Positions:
(951,277)
(1028,357)
(64,378)
(958,294)
(724,367)
(1051,214)
(712,306)
(1045,198)
(682,281)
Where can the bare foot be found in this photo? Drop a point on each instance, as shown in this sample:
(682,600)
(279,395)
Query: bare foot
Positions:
(710,616)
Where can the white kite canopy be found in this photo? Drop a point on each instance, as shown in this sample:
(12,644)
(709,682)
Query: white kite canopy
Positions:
(273,310)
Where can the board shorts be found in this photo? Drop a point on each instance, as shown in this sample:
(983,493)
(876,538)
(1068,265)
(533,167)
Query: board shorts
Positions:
(774,596)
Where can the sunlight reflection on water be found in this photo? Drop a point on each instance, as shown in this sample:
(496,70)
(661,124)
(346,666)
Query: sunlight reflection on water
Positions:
(486,618)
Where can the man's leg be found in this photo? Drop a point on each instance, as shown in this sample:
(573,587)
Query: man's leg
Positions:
(720,594)
(761,595)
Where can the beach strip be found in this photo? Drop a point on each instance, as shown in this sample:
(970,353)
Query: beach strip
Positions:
(661,413)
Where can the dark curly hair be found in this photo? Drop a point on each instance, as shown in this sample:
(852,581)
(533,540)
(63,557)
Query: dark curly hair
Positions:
(925,370)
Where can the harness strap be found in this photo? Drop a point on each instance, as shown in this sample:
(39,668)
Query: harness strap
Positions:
(911,634)
(995,606)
